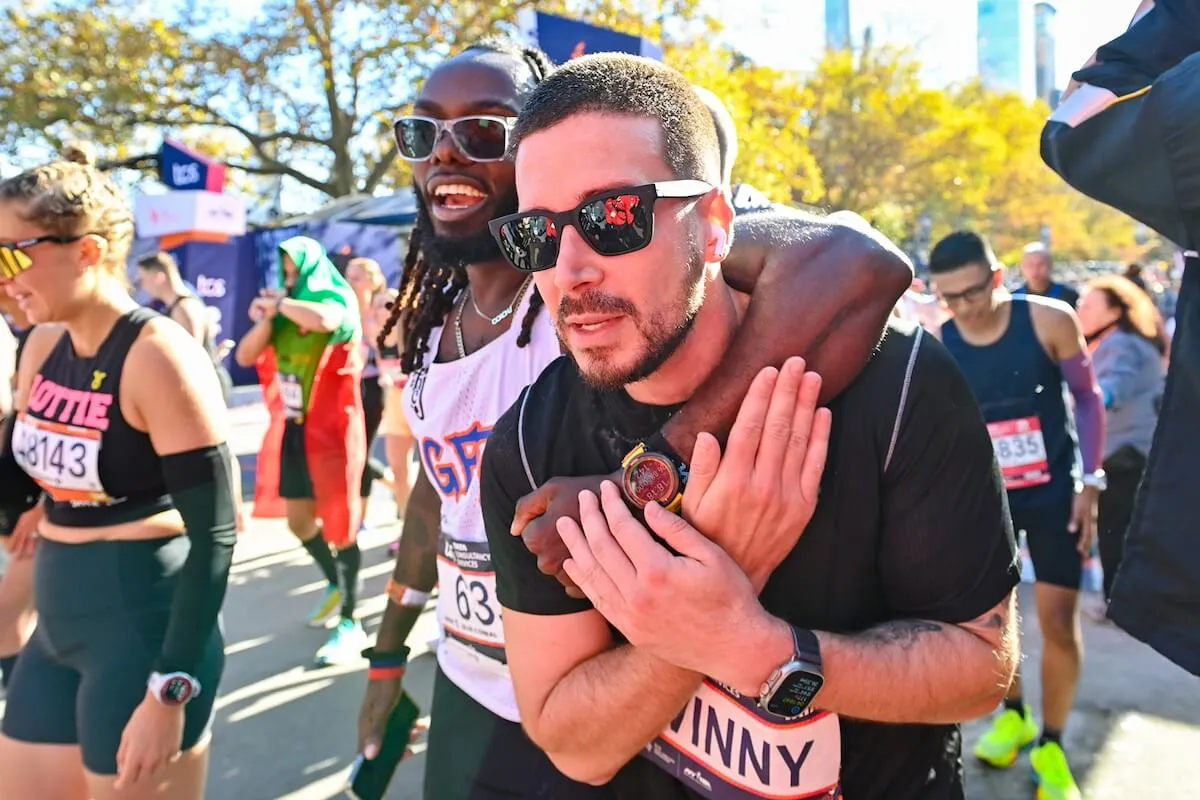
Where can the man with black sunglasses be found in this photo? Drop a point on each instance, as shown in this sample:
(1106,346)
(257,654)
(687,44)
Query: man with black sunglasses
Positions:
(758,652)
(1022,356)
(473,333)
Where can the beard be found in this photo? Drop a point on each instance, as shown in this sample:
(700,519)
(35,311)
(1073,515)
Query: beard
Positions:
(662,333)
(460,250)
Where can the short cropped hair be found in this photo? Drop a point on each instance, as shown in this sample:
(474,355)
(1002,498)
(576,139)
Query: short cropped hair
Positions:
(160,262)
(616,83)
(727,139)
(958,250)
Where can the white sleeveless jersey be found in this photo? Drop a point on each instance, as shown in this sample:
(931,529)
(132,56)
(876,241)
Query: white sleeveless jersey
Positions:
(452,409)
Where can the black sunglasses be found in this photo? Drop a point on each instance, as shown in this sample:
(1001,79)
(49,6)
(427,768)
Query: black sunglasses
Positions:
(481,137)
(14,260)
(613,223)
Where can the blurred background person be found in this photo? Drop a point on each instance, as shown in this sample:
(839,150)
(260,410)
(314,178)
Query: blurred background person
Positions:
(1037,267)
(366,279)
(1123,332)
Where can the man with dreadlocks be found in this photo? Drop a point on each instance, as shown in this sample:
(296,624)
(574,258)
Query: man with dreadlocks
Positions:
(473,335)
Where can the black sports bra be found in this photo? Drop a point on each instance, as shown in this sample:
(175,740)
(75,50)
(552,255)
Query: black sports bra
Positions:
(73,440)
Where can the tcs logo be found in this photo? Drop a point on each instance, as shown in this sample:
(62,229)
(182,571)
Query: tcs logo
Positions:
(453,463)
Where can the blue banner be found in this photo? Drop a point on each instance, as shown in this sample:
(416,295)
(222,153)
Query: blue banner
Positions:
(181,168)
(563,39)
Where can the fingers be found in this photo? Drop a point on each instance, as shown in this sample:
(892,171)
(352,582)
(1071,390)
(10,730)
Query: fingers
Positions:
(530,507)
(600,526)
(801,428)
(778,424)
(747,428)
(582,567)
(679,535)
(815,454)
(631,536)
(706,458)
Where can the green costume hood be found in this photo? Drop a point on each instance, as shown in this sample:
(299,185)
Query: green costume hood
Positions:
(320,282)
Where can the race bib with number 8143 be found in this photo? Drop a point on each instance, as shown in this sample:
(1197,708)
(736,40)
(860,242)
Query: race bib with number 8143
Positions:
(63,459)
(467,600)
(1021,452)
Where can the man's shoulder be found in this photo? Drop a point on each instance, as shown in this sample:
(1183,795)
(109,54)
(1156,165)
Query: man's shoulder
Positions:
(532,418)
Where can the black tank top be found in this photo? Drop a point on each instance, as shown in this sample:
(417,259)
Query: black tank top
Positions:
(74,441)
(1023,397)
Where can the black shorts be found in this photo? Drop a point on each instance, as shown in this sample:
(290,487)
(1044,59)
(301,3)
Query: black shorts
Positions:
(475,755)
(295,482)
(1052,548)
(103,609)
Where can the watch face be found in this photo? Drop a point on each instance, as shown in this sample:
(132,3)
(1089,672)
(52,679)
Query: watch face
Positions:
(176,690)
(651,478)
(795,694)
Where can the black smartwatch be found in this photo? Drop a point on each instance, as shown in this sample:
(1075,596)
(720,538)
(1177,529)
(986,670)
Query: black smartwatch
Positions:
(790,690)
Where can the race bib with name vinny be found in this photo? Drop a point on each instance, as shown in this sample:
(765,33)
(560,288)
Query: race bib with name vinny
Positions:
(63,459)
(292,393)
(467,598)
(723,746)
(1021,452)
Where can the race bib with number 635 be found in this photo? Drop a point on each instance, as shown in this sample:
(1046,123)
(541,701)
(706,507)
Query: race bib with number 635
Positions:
(467,604)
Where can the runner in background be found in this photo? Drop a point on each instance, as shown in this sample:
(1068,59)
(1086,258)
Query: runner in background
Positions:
(366,279)
(1122,327)
(159,277)
(306,344)
(1037,266)
(1024,357)
(18,526)
(398,441)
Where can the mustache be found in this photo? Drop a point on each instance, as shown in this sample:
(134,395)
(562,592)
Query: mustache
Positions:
(594,302)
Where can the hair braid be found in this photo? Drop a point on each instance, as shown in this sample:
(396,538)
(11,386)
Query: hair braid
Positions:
(535,304)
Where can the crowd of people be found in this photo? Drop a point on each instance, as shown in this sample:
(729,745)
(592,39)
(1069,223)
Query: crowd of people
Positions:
(685,541)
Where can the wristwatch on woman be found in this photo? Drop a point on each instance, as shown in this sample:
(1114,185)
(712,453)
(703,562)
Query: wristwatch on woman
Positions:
(173,688)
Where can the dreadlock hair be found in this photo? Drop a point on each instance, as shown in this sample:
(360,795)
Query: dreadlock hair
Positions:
(427,294)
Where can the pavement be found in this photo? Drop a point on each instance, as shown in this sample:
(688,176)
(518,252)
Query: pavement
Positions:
(286,730)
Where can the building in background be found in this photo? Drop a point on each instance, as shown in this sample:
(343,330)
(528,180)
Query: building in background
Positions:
(1005,46)
(837,25)
(1044,65)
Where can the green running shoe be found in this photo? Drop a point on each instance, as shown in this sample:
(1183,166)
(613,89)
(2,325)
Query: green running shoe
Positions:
(1010,734)
(326,607)
(1052,773)
(345,644)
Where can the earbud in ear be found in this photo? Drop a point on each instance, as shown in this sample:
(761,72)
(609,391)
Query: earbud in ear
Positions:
(719,244)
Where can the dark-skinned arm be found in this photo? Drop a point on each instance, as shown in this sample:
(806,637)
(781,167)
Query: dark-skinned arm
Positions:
(843,275)
(415,575)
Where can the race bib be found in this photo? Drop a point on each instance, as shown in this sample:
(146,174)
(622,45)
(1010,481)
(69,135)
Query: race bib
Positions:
(293,396)
(723,746)
(63,459)
(1021,451)
(467,598)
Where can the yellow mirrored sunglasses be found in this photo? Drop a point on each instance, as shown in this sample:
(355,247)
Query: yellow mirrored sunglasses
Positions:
(14,260)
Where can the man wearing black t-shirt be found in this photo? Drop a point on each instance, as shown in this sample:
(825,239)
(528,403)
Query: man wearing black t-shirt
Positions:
(899,595)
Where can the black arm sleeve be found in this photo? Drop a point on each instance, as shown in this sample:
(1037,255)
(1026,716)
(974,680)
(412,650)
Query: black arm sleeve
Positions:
(201,485)
(947,550)
(520,585)
(18,491)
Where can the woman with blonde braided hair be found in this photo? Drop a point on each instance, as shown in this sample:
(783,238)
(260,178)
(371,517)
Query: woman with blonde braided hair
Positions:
(123,443)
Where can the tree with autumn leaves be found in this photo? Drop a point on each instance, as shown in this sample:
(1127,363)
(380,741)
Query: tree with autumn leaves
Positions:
(307,90)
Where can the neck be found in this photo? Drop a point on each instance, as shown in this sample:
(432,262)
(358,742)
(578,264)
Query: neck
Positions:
(493,284)
(1040,287)
(699,354)
(173,293)
(92,321)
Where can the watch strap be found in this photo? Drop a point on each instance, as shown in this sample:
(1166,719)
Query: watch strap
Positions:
(808,646)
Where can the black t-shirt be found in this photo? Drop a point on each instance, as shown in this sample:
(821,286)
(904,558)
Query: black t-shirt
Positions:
(927,538)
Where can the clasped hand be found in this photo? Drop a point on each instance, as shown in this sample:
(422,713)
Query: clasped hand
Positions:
(745,511)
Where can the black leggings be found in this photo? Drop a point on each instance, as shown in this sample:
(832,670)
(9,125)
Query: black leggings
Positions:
(372,400)
(1124,470)
(103,609)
